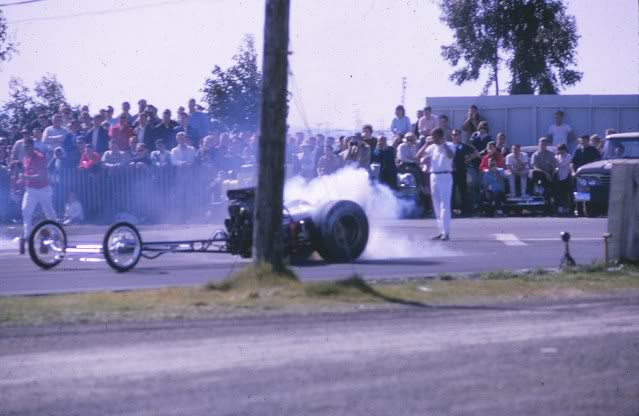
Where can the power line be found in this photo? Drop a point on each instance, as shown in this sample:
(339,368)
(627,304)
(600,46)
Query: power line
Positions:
(18,3)
(98,12)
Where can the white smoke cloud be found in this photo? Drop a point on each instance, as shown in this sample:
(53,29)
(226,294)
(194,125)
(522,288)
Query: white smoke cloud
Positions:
(379,203)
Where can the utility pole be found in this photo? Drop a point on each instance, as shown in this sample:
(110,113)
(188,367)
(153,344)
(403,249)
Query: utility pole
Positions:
(267,239)
(403,90)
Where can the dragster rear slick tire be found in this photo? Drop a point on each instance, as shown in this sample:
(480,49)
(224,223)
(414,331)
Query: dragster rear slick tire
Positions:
(137,247)
(341,231)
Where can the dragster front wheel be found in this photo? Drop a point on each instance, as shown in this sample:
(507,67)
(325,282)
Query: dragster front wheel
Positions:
(47,244)
(122,246)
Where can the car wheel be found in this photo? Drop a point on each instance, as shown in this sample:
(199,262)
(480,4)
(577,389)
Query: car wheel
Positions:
(341,231)
(122,246)
(47,244)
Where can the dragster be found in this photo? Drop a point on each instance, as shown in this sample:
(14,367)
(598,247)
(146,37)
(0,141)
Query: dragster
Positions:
(337,230)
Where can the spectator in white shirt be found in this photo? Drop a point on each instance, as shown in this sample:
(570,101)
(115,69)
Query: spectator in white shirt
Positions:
(182,155)
(54,135)
(114,158)
(517,163)
(161,158)
(560,132)
(428,122)
(564,180)
(440,155)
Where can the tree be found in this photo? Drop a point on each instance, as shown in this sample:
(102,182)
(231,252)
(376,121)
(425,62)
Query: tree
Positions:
(233,95)
(536,38)
(7,47)
(50,93)
(18,110)
(478,38)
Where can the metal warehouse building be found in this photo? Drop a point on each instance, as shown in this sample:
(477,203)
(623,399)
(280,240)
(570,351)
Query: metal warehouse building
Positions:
(524,118)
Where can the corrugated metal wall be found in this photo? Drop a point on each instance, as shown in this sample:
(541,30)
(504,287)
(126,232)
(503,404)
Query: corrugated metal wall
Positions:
(525,118)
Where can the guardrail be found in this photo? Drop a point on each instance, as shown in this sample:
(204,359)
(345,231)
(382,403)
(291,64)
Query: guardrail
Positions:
(151,195)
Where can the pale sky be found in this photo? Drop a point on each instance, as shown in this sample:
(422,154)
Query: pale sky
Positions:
(349,56)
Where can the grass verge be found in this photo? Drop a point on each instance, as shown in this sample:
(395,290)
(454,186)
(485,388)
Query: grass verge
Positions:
(259,291)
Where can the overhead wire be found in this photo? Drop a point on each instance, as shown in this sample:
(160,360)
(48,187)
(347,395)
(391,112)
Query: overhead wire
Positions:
(19,3)
(98,12)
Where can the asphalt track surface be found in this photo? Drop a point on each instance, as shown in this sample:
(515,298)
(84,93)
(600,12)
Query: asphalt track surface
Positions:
(397,249)
(570,358)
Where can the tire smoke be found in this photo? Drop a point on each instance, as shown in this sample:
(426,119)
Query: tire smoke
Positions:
(380,204)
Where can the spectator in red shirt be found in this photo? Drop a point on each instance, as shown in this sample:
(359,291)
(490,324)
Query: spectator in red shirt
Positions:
(121,132)
(90,160)
(491,154)
(37,189)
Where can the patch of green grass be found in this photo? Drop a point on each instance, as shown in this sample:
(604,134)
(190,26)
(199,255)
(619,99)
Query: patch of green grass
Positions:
(257,290)
(499,275)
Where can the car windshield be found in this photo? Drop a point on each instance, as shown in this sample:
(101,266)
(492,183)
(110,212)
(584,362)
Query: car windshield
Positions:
(622,149)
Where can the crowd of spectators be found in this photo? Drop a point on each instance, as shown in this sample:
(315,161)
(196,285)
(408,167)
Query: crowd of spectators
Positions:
(484,168)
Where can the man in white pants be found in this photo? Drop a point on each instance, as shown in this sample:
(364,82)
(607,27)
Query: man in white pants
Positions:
(440,155)
(37,189)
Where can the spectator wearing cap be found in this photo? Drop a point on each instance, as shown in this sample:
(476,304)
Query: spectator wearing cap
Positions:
(198,121)
(109,120)
(428,122)
(306,160)
(164,130)
(98,136)
(401,123)
(121,132)
(471,123)
(560,132)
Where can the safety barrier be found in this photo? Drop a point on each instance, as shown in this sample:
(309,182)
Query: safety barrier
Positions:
(149,195)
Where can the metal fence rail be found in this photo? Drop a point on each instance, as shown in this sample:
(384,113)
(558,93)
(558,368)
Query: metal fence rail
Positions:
(150,195)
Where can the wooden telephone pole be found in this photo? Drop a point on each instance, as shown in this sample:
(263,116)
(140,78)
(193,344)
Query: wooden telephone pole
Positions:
(267,239)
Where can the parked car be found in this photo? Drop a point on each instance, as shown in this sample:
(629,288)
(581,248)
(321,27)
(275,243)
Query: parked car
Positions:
(593,180)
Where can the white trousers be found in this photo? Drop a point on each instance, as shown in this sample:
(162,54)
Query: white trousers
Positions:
(33,197)
(522,184)
(441,187)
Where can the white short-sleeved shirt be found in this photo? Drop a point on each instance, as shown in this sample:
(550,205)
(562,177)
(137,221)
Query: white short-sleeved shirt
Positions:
(559,133)
(439,161)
